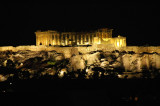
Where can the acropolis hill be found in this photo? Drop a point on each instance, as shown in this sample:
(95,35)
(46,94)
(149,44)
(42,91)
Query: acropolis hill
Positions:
(63,52)
(70,43)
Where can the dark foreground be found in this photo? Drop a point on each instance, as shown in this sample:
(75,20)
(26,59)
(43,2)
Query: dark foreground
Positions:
(80,93)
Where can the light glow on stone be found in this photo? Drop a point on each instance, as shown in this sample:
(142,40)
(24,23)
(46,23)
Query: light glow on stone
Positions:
(118,44)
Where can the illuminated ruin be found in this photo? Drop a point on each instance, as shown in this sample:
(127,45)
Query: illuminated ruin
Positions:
(83,42)
(100,36)
(64,52)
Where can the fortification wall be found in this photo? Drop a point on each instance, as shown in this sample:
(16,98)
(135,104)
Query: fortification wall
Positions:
(140,49)
(71,50)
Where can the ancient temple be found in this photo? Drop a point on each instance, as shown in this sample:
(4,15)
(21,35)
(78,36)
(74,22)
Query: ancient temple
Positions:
(100,36)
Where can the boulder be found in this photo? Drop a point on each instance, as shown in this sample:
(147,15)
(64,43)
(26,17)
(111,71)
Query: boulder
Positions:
(77,62)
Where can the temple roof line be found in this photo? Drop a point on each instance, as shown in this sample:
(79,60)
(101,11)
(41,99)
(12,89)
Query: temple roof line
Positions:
(91,31)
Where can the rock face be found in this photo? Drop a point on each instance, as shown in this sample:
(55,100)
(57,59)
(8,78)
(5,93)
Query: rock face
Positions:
(77,62)
(29,64)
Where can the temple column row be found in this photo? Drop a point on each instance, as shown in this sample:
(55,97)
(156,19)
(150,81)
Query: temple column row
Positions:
(84,39)
(42,40)
(64,39)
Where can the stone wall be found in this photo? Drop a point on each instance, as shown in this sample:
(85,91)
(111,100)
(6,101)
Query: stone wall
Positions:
(140,49)
(68,51)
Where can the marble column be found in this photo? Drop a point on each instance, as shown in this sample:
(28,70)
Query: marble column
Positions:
(54,39)
(70,38)
(73,38)
(81,39)
(62,40)
(85,38)
(43,43)
(66,39)
(42,40)
(45,39)
(100,38)
(46,36)
(78,40)
(89,39)
(123,42)
(48,39)
(58,39)
(51,40)
(93,38)
(39,40)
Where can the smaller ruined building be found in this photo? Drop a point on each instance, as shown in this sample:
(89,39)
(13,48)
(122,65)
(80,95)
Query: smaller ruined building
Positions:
(100,36)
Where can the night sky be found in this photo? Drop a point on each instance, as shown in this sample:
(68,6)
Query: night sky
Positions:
(137,21)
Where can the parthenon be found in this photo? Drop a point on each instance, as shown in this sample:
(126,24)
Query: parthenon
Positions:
(100,36)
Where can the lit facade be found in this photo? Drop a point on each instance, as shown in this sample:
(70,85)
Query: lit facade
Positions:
(100,36)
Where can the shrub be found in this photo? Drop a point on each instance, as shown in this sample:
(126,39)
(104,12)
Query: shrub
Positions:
(51,62)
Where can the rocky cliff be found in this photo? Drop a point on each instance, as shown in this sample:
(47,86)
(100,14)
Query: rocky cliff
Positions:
(27,64)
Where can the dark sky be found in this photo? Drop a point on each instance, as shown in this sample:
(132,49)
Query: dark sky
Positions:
(137,21)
